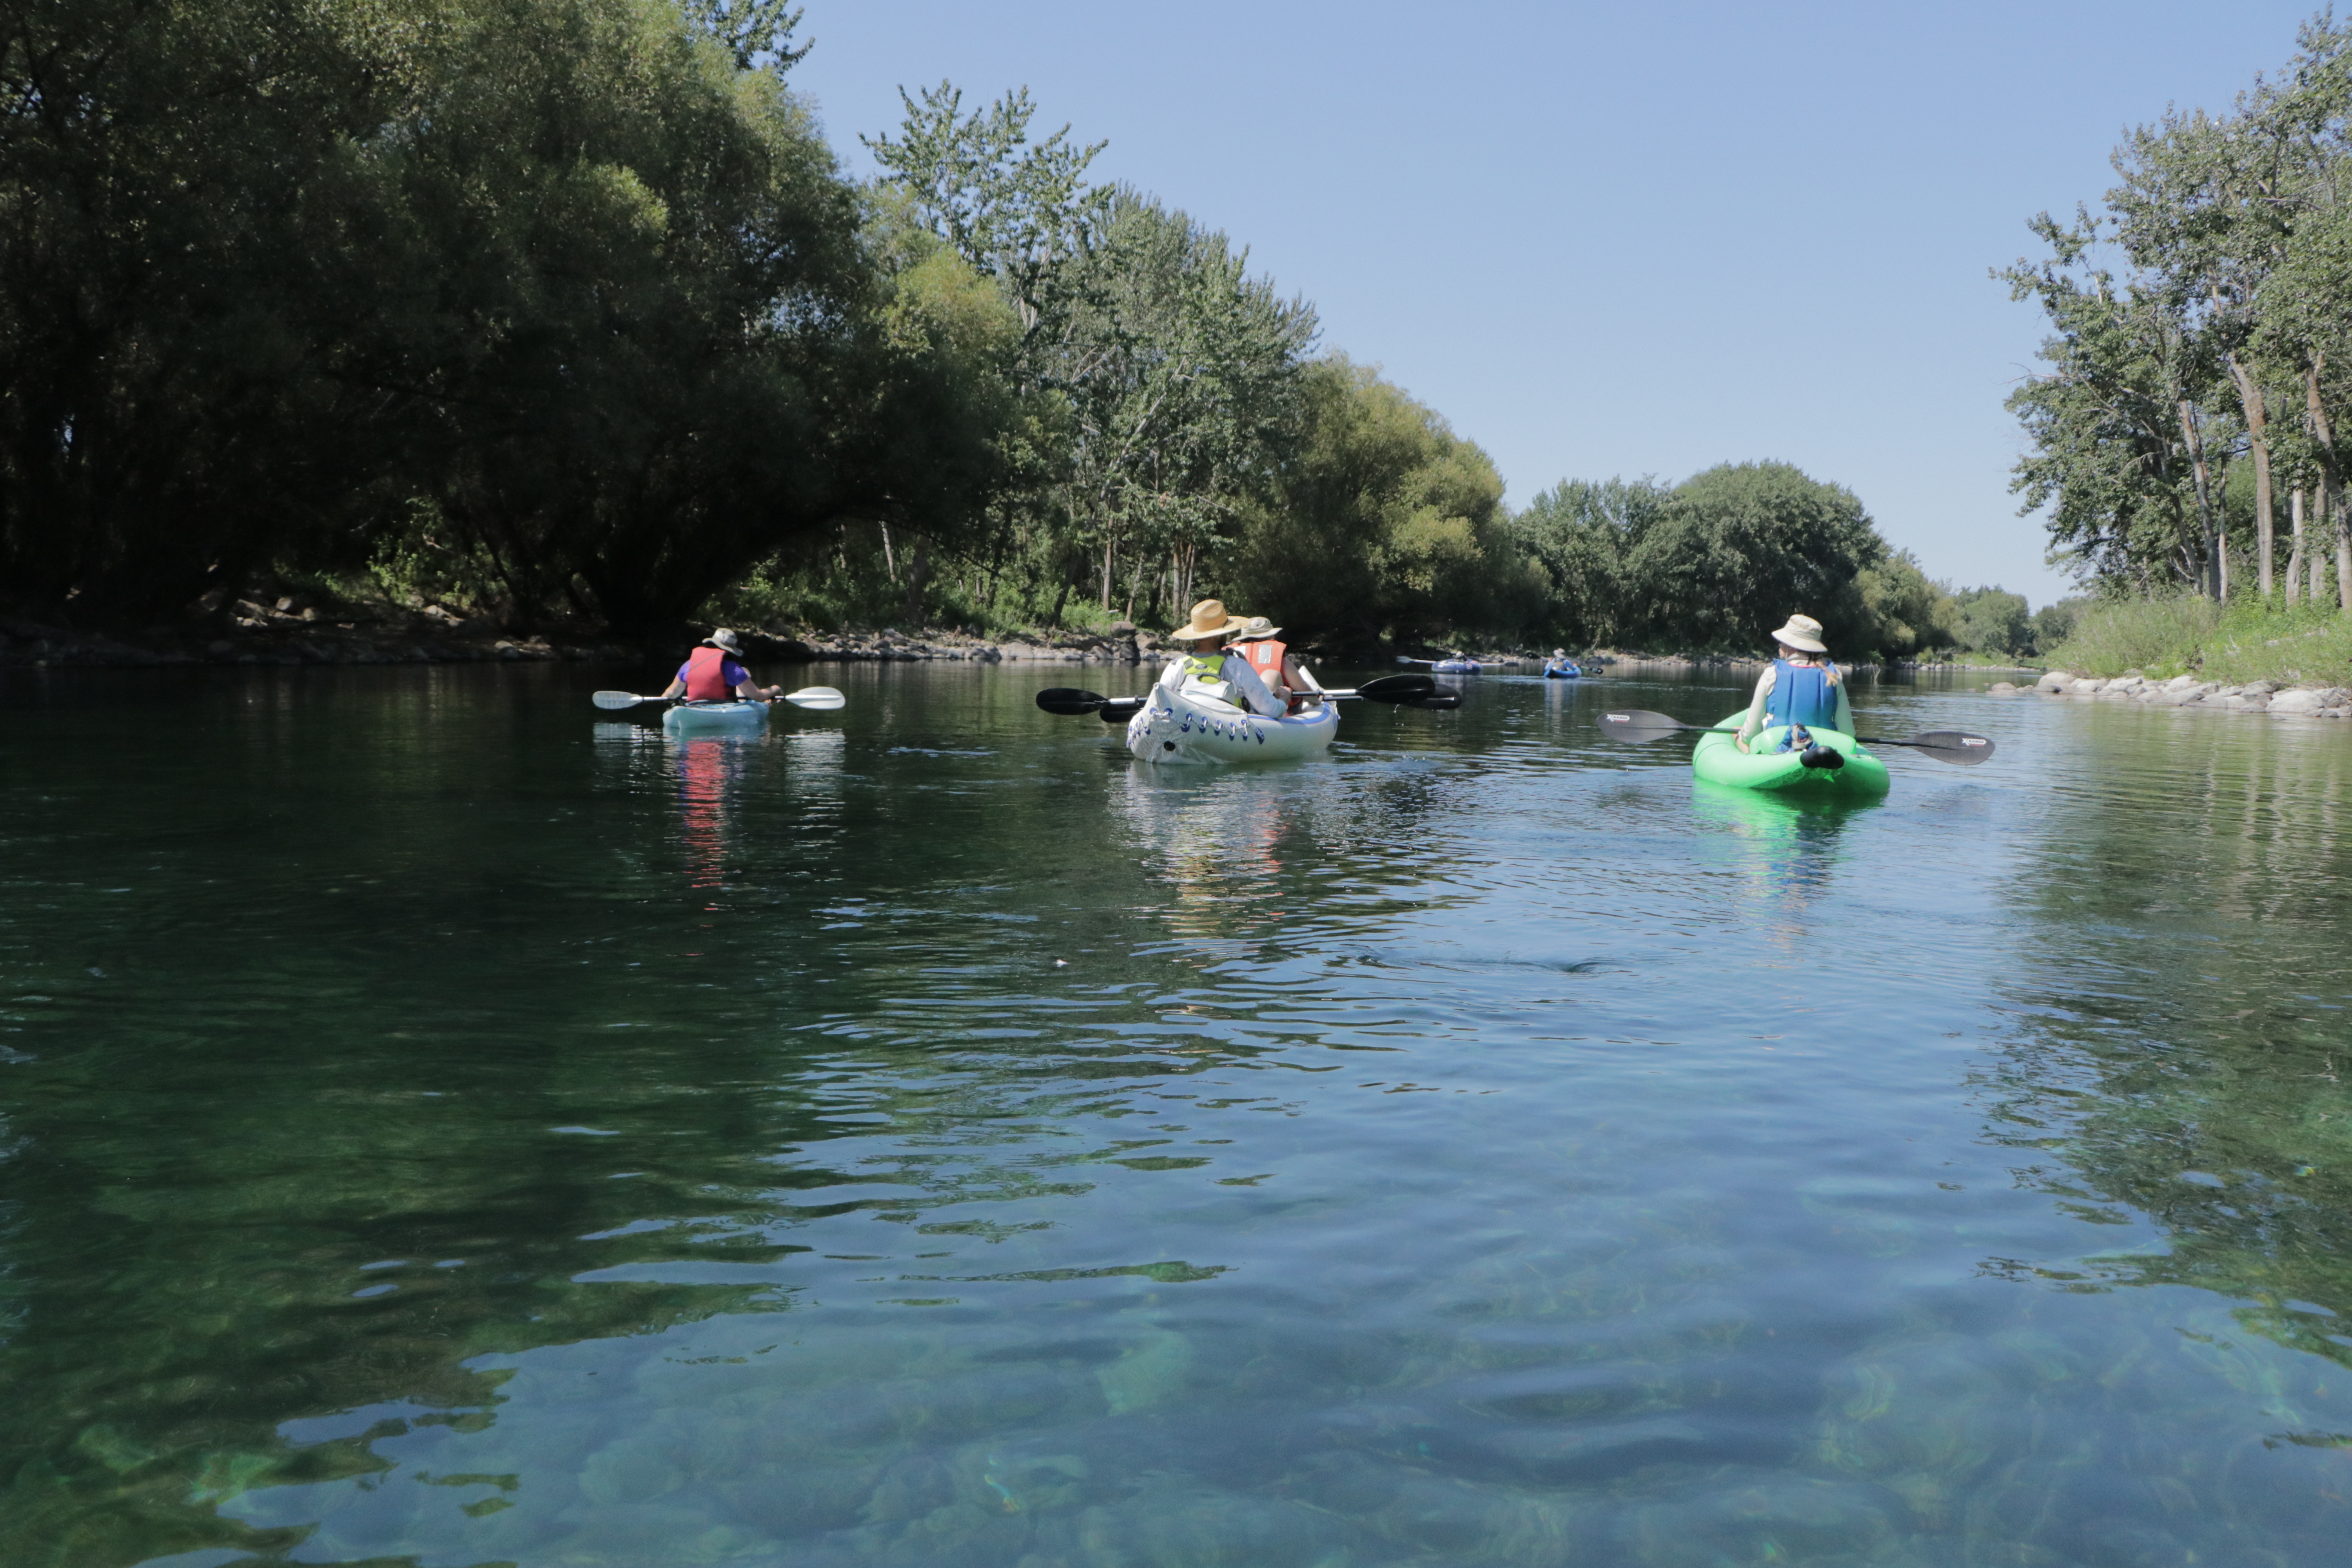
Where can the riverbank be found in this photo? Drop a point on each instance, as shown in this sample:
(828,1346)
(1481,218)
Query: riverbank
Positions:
(2189,692)
(288,631)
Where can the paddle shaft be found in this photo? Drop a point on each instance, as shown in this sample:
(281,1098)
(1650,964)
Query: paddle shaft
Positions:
(1955,746)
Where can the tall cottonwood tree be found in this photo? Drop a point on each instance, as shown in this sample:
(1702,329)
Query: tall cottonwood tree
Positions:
(2222,338)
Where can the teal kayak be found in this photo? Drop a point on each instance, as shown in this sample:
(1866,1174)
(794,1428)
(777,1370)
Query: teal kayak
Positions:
(715,717)
(1719,761)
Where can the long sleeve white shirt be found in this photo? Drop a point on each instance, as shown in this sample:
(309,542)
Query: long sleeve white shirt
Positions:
(1240,678)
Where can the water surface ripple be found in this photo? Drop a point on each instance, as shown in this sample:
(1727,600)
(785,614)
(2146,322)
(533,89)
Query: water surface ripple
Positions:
(441,1124)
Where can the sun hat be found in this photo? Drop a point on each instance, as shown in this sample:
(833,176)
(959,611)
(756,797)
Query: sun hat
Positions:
(721,638)
(1803,632)
(1209,620)
(1259,626)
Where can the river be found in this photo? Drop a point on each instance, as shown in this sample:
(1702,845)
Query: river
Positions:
(444,1124)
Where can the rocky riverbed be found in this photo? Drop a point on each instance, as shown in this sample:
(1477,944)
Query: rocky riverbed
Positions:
(2189,692)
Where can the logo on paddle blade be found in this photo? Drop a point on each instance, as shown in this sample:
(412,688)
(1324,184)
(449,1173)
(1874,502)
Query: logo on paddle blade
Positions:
(1974,740)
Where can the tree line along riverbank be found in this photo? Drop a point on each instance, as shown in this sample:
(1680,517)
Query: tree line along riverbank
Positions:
(561,320)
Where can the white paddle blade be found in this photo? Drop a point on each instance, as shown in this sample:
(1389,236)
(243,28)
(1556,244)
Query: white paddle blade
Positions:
(823,698)
(1638,724)
(620,700)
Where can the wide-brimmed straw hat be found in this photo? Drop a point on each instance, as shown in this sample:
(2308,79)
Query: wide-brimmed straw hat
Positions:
(1209,620)
(721,638)
(1803,633)
(1259,626)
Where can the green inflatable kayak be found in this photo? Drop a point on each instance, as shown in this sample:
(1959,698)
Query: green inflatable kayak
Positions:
(1718,761)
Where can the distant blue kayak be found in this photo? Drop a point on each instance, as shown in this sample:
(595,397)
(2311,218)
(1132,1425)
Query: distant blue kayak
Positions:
(1562,669)
(1454,667)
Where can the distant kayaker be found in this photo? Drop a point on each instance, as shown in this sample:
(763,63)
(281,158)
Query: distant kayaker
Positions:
(1259,643)
(1801,689)
(714,672)
(1214,668)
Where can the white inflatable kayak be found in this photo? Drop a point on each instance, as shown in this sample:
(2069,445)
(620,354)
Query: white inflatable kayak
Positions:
(714,718)
(1185,725)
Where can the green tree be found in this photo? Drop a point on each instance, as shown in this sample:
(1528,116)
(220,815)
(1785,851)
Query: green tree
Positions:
(2120,426)
(1183,372)
(189,226)
(1740,547)
(1383,522)
(1581,534)
(1992,620)
(1902,612)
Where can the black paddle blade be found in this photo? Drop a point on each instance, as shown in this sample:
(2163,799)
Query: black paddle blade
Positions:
(1955,746)
(1399,688)
(1439,701)
(1639,724)
(1119,709)
(1069,700)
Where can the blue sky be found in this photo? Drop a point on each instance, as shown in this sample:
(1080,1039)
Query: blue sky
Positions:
(1618,239)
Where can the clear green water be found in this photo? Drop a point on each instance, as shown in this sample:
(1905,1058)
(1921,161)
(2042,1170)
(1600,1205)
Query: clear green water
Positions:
(442,1128)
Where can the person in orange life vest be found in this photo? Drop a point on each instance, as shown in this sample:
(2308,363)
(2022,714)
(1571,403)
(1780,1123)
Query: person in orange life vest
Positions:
(1801,689)
(1273,661)
(1215,670)
(714,673)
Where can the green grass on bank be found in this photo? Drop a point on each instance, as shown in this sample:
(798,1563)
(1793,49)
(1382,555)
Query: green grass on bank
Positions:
(2164,637)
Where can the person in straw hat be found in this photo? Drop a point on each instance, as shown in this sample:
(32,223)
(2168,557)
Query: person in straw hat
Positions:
(1210,669)
(715,673)
(1801,689)
(1260,642)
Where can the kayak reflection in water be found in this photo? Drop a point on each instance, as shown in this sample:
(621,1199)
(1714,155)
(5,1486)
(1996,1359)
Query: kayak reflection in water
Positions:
(1800,690)
(706,772)
(714,673)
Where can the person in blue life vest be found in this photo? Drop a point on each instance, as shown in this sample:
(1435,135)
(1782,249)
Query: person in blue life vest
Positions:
(715,673)
(1209,667)
(1801,689)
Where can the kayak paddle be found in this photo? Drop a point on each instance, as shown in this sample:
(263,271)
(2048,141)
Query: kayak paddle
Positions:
(1405,690)
(823,698)
(1955,746)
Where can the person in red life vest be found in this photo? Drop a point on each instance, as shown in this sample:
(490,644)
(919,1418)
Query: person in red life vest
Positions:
(1802,690)
(1258,642)
(714,673)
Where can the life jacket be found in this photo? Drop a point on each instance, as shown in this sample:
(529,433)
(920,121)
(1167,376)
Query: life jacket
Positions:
(1801,694)
(1209,669)
(705,677)
(1266,656)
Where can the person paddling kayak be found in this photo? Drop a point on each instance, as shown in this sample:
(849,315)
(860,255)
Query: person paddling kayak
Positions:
(1259,643)
(714,673)
(1802,690)
(1211,669)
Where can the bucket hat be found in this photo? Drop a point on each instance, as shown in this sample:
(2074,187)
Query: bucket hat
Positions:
(721,638)
(1259,626)
(1803,632)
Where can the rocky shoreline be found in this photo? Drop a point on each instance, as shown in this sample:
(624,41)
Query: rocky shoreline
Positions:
(288,631)
(2189,692)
